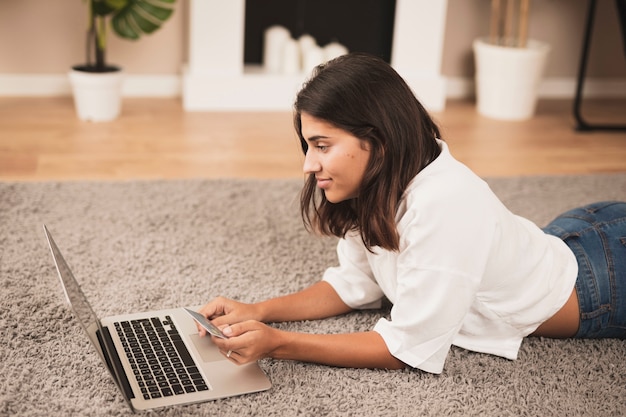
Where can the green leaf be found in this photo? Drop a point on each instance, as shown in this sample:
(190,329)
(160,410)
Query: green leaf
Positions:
(139,17)
(101,8)
(116,4)
(145,25)
(122,28)
(157,12)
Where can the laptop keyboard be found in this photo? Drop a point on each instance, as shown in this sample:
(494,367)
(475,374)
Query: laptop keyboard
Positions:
(160,360)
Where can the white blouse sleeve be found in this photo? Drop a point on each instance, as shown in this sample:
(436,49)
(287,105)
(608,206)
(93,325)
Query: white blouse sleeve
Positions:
(353,279)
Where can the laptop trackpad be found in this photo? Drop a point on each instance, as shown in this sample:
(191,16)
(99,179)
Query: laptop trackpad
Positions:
(207,349)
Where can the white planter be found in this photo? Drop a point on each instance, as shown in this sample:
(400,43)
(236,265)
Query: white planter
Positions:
(508,78)
(97,96)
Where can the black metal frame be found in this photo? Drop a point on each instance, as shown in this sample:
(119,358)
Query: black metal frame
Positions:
(581,124)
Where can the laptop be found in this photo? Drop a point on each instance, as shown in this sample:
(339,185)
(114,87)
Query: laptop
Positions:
(157,358)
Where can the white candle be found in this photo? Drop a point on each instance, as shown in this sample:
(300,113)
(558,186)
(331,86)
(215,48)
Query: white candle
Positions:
(274,40)
(311,58)
(291,57)
(306,41)
(333,50)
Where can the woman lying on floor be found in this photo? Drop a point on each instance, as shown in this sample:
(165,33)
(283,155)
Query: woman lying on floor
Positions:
(419,228)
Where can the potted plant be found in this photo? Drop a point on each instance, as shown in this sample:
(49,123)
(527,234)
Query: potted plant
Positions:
(509,66)
(96,84)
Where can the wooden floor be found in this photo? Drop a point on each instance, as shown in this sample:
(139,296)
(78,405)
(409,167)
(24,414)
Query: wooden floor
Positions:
(41,139)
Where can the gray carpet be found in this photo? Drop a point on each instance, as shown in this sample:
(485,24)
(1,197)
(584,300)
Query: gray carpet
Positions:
(150,245)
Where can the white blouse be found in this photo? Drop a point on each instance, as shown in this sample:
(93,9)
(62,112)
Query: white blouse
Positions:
(469,272)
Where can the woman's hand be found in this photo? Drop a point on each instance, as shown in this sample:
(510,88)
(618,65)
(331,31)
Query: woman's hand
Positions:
(223,311)
(248,341)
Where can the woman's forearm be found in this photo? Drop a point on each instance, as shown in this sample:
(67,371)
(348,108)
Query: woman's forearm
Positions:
(315,302)
(354,350)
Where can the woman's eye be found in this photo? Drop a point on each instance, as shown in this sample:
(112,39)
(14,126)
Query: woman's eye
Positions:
(322,148)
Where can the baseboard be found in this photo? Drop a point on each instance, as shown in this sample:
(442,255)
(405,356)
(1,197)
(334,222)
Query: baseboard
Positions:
(49,85)
(550,88)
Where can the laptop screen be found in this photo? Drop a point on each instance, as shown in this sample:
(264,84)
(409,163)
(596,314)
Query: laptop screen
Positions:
(75,297)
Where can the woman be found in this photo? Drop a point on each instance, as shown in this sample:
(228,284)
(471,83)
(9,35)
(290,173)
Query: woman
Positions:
(419,228)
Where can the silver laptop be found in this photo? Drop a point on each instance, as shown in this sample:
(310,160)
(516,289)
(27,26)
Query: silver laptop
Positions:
(156,358)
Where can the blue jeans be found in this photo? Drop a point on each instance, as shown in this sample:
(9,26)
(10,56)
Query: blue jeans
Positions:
(597,235)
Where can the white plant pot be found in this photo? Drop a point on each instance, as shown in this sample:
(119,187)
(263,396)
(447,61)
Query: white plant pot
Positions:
(97,96)
(508,78)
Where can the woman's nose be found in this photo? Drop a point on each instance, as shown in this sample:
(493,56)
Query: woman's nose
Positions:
(311,164)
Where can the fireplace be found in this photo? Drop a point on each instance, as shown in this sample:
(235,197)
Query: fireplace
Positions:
(360,25)
(218,78)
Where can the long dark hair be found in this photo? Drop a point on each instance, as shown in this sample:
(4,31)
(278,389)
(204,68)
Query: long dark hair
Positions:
(366,97)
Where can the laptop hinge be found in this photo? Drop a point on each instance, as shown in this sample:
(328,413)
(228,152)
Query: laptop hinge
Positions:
(115,364)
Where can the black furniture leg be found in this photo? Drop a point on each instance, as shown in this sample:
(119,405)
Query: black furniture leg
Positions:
(581,124)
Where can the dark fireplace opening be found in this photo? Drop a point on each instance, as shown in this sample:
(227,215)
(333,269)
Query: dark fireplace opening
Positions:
(360,25)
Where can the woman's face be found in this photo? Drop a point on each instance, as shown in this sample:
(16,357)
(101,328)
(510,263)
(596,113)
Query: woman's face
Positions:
(336,158)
